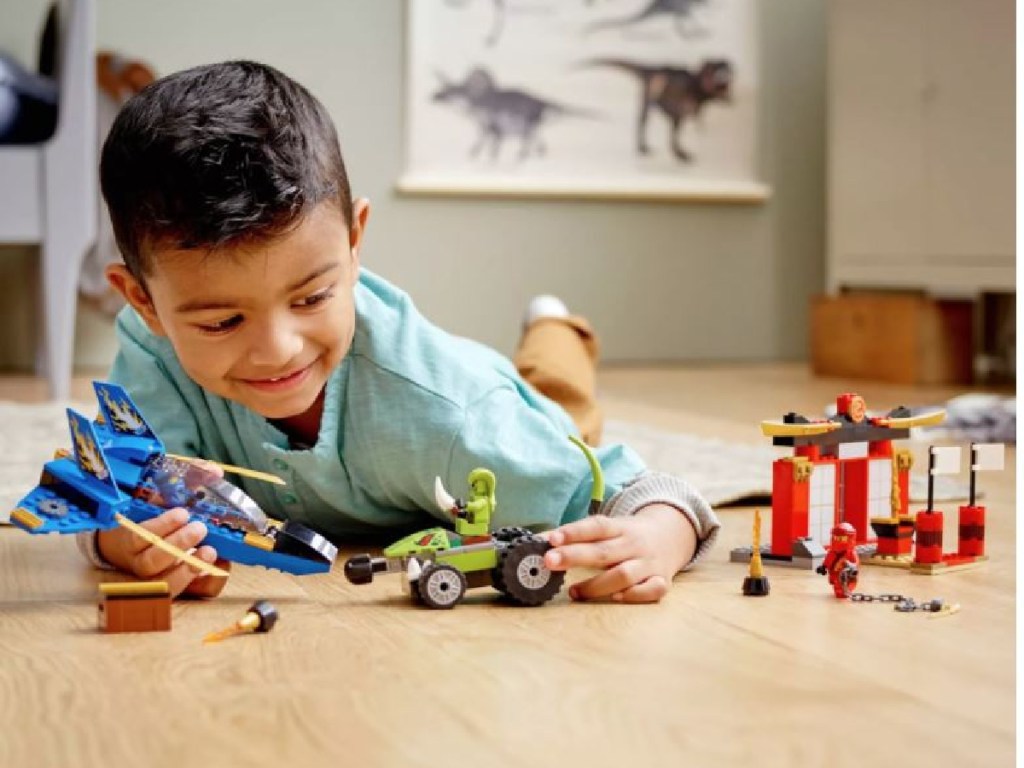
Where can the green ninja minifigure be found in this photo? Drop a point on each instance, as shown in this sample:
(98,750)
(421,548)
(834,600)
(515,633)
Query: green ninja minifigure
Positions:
(474,518)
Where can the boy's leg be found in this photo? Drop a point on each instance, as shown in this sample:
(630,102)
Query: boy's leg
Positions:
(558,356)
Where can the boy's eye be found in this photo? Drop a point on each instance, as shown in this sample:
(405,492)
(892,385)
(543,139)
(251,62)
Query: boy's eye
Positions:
(223,325)
(316,298)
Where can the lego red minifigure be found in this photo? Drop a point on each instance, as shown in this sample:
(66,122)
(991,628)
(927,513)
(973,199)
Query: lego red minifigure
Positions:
(842,563)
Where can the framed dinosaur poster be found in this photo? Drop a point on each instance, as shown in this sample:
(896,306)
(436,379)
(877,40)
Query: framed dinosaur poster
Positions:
(650,99)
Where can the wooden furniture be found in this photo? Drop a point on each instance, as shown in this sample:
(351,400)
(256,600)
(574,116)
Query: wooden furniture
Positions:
(708,677)
(49,193)
(905,338)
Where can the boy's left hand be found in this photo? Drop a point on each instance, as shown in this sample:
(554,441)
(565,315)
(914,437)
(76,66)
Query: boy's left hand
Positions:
(640,554)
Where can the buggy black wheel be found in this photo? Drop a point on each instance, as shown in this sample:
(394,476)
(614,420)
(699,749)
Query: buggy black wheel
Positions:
(441,586)
(510,533)
(521,574)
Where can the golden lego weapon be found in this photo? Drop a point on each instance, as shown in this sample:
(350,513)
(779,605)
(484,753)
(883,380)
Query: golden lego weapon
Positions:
(906,422)
(756,584)
(156,541)
(261,617)
(776,428)
(265,476)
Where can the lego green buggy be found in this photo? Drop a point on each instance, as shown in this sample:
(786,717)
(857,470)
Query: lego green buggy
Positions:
(438,565)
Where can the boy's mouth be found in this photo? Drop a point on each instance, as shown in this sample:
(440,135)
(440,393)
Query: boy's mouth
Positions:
(280,383)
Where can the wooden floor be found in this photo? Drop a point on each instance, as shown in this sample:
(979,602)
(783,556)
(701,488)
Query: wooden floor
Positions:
(355,676)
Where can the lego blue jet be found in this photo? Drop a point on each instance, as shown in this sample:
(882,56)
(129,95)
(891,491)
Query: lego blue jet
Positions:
(118,473)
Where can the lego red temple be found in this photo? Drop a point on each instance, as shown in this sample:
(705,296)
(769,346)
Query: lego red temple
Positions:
(843,469)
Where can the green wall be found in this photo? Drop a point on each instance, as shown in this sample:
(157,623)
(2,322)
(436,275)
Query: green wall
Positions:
(664,281)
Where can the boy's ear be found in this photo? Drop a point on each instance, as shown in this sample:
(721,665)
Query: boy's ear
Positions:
(125,283)
(360,215)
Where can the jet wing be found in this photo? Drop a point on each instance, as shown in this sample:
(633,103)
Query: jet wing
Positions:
(44,510)
(119,411)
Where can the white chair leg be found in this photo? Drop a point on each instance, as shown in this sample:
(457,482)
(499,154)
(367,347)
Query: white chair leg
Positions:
(70,194)
(60,300)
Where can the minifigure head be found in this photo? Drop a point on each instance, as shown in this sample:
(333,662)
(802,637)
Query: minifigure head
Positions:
(851,406)
(843,536)
(232,209)
(482,483)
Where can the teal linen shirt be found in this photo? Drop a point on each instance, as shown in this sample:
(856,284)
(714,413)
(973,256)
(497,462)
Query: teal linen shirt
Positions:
(409,402)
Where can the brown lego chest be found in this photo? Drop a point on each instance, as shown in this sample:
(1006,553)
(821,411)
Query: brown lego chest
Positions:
(135,607)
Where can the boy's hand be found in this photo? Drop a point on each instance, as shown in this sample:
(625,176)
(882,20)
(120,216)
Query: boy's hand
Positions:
(640,554)
(133,554)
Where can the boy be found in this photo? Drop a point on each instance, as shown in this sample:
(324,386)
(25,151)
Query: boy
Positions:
(253,337)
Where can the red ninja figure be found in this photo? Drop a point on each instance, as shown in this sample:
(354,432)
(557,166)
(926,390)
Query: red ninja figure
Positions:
(842,563)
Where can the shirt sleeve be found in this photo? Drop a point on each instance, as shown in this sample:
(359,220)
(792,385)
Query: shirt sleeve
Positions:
(661,488)
(544,481)
(90,550)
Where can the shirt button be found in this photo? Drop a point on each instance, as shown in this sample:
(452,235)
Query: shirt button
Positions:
(279,464)
(290,498)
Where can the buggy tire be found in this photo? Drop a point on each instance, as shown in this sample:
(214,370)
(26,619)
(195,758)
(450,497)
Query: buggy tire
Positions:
(521,574)
(441,586)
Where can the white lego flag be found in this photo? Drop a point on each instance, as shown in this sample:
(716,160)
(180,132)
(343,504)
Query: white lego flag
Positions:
(945,461)
(988,456)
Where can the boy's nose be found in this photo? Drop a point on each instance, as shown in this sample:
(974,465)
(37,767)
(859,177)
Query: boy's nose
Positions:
(275,347)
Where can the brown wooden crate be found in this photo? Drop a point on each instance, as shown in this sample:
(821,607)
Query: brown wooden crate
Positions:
(893,337)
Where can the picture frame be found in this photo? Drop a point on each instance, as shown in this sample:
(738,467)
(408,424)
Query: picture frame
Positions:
(607,99)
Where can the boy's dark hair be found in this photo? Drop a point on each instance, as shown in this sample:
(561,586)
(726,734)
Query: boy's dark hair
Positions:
(218,155)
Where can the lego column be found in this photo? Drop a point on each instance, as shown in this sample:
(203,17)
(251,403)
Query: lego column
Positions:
(790,502)
(928,547)
(985,456)
(972,531)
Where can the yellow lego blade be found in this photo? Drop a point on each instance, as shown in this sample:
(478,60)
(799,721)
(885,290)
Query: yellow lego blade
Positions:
(782,429)
(924,420)
(156,541)
(265,476)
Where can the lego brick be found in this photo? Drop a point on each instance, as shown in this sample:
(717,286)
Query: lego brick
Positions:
(135,607)
(947,566)
(902,338)
(790,503)
(853,482)
(928,538)
(134,588)
(889,561)
(971,540)
(806,555)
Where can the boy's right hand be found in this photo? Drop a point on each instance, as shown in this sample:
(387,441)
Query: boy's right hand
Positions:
(128,552)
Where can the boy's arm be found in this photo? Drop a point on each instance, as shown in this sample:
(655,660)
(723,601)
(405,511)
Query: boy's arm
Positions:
(651,530)
(544,481)
(658,489)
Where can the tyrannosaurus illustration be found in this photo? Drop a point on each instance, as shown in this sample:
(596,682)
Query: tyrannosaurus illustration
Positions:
(678,92)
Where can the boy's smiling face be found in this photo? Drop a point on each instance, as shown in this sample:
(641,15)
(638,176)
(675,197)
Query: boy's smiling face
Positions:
(262,324)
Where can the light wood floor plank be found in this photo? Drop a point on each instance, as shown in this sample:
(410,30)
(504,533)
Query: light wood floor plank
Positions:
(356,676)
